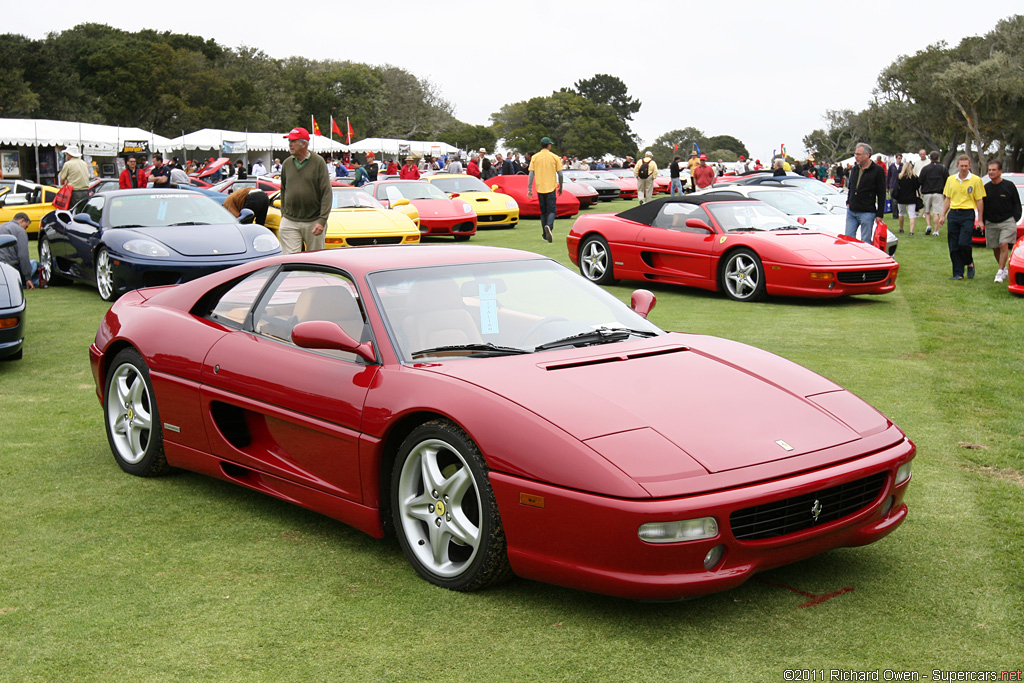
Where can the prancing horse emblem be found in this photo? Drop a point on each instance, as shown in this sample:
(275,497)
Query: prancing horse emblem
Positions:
(816,510)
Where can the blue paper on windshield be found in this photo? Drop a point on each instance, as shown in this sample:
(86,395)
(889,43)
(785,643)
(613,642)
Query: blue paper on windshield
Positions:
(488,309)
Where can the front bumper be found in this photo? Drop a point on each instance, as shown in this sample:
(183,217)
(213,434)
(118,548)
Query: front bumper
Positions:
(590,542)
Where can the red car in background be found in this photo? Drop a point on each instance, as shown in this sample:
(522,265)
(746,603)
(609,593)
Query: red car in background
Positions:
(586,194)
(740,246)
(265,183)
(440,215)
(515,186)
(1016,266)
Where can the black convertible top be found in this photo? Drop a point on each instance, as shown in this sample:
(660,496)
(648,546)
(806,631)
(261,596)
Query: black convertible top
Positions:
(646,213)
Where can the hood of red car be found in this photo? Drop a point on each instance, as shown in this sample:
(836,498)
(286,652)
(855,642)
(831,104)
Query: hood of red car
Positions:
(634,398)
(436,208)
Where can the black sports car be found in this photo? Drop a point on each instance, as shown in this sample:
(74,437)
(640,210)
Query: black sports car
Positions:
(12,308)
(126,239)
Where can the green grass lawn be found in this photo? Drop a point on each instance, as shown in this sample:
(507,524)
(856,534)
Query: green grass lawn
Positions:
(108,577)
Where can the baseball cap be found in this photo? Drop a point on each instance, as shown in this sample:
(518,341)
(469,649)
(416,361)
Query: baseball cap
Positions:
(704,157)
(546,141)
(647,154)
(298,134)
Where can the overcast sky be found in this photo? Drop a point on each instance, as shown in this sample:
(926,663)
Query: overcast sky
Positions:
(764,72)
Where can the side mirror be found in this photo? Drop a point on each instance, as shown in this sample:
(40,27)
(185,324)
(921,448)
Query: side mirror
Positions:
(7,241)
(399,202)
(642,301)
(801,220)
(246,216)
(323,334)
(495,188)
(698,223)
(86,219)
(453,195)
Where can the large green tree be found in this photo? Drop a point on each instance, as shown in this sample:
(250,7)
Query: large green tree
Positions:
(577,125)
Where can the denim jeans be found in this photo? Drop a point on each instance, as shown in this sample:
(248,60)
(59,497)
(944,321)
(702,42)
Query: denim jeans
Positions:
(677,186)
(863,219)
(548,209)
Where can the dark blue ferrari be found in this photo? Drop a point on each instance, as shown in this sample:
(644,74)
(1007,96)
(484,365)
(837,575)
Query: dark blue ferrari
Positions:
(126,239)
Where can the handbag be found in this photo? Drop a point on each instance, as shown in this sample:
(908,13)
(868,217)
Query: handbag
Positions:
(918,203)
(63,199)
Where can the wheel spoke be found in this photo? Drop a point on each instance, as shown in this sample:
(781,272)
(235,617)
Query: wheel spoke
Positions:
(463,529)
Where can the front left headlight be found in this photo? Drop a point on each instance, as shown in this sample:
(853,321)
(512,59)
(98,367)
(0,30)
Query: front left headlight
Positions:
(679,531)
(264,243)
(466,208)
(511,204)
(145,248)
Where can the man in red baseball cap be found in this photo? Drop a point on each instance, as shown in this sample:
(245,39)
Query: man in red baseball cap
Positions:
(703,175)
(305,196)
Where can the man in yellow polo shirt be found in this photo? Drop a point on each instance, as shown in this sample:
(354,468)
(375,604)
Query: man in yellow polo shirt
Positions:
(964,194)
(546,168)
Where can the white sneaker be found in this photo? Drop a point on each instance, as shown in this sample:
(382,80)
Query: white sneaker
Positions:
(1002,275)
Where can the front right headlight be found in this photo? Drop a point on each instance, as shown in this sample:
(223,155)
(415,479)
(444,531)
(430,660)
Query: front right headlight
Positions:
(265,242)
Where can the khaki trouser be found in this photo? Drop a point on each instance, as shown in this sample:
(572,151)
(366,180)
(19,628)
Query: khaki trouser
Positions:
(645,188)
(293,234)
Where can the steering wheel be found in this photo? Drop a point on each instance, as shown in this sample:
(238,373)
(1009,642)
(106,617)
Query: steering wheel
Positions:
(539,324)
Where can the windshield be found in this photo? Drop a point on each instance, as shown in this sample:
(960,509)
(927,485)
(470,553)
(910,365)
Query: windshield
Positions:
(459,184)
(487,309)
(353,199)
(142,209)
(815,187)
(792,202)
(748,216)
(395,191)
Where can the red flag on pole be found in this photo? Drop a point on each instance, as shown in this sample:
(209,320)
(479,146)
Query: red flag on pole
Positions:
(334,127)
(350,131)
(316,128)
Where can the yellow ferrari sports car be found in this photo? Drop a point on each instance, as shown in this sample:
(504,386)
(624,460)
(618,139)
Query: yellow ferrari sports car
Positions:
(357,218)
(493,209)
(40,204)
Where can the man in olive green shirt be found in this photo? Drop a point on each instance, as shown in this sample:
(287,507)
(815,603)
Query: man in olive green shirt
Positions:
(305,196)
(76,174)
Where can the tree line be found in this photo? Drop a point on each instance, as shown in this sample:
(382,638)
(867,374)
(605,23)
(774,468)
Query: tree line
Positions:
(966,97)
(172,83)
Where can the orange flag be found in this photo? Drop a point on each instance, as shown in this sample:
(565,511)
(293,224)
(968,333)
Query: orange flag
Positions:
(316,128)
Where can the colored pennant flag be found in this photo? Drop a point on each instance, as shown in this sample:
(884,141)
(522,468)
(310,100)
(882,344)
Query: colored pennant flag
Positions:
(316,128)
(334,127)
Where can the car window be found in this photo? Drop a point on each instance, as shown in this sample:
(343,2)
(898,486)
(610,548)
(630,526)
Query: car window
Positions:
(789,202)
(673,215)
(233,307)
(94,208)
(297,296)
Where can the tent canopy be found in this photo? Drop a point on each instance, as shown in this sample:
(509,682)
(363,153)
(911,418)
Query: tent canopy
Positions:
(214,138)
(93,138)
(391,146)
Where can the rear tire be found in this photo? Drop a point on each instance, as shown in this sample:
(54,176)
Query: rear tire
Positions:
(131,417)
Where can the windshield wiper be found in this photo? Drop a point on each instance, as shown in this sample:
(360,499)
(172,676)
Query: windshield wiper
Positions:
(189,223)
(476,350)
(750,229)
(601,335)
(112,227)
(790,227)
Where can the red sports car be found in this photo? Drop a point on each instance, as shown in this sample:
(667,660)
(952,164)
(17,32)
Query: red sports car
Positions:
(500,415)
(1016,266)
(265,183)
(440,215)
(740,246)
(585,194)
(566,204)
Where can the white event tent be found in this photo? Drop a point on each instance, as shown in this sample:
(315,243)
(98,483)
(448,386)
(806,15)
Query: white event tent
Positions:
(394,147)
(228,142)
(44,136)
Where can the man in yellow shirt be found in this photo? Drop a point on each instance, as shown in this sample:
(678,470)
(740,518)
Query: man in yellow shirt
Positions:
(546,168)
(964,194)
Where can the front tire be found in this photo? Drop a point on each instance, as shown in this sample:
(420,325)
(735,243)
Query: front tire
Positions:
(444,510)
(131,417)
(105,275)
(596,261)
(742,276)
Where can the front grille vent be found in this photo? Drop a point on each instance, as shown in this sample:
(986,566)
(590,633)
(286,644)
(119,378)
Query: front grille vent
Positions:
(796,514)
(860,277)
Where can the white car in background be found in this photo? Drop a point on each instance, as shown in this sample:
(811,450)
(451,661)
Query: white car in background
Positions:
(800,205)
